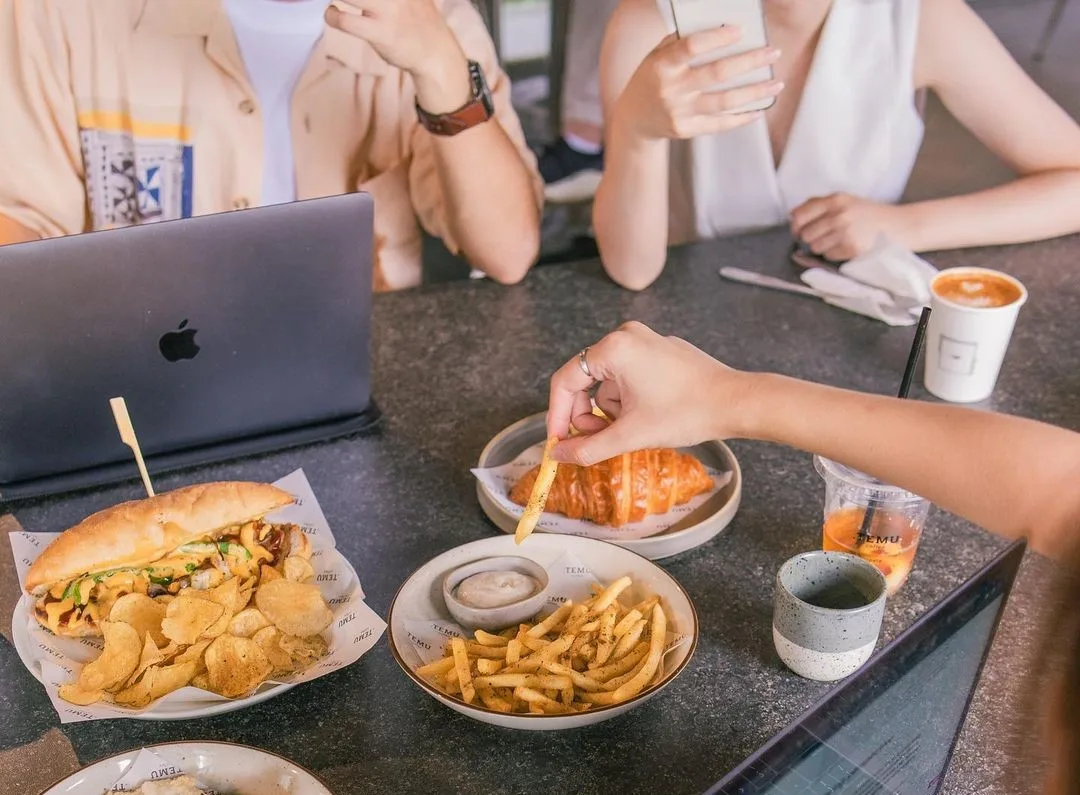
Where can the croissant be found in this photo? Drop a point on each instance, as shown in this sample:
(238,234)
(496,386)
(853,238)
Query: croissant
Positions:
(623,489)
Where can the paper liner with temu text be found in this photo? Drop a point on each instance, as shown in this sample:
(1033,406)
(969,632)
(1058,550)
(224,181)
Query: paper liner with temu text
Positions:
(500,480)
(355,629)
(568,579)
(152,766)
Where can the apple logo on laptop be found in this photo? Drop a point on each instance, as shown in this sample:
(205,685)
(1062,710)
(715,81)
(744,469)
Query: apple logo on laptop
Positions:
(179,344)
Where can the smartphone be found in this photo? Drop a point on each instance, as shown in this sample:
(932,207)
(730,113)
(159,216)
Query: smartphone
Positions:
(692,16)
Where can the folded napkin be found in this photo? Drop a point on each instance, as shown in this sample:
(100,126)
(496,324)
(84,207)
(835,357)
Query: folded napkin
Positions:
(888,283)
(846,293)
(892,267)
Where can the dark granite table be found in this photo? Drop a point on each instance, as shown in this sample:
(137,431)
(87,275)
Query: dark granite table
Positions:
(454,365)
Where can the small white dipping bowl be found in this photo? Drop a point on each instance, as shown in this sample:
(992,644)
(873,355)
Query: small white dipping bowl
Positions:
(494,619)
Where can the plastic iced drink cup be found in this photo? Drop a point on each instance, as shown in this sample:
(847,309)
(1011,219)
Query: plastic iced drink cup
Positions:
(892,537)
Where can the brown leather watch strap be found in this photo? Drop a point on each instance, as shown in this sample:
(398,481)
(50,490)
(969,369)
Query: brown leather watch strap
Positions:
(476,111)
(452,123)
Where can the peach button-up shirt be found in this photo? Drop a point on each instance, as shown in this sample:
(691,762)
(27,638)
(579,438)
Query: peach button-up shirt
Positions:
(131,111)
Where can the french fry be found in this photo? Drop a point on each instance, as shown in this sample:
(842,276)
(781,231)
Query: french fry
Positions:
(629,689)
(493,701)
(609,595)
(556,648)
(645,606)
(626,623)
(513,651)
(629,640)
(544,478)
(552,621)
(461,665)
(534,644)
(623,665)
(581,681)
(578,616)
(536,681)
(436,668)
(596,652)
(530,665)
(487,639)
(606,643)
(480,650)
(547,705)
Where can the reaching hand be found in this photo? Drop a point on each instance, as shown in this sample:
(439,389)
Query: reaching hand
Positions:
(658,392)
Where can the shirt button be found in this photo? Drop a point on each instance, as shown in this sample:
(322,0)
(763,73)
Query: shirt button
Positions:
(247,107)
(241,204)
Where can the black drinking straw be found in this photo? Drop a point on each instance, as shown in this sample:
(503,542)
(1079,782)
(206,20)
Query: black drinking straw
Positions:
(905,387)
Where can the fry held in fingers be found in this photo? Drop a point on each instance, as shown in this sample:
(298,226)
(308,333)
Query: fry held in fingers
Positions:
(597,652)
(535,506)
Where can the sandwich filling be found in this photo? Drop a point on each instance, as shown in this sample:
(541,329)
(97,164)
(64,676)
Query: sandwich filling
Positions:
(82,602)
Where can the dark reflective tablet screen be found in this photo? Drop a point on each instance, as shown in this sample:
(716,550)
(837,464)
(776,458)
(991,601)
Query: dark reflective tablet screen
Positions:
(891,729)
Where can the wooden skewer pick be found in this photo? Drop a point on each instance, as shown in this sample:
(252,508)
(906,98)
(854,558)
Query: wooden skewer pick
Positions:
(127,436)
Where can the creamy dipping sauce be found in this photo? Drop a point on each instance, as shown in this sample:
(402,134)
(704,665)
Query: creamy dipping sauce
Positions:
(495,589)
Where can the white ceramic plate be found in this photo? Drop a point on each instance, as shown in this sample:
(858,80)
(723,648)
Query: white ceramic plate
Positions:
(162,709)
(165,708)
(695,529)
(227,767)
(419,599)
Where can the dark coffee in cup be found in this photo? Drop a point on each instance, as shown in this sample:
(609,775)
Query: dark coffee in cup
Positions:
(978,289)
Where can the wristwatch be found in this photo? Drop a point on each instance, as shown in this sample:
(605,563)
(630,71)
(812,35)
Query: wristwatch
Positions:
(476,111)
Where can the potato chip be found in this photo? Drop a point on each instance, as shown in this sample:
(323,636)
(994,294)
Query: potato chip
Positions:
(188,617)
(247,622)
(268,574)
(201,681)
(142,613)
(117,661)
(296,608)
(157,681)
(303,651)
(298,570)
(269,640)
(151,655)
(299,545)
(73,694)
(228,596)
(194,653)
(236,666)
(164,599)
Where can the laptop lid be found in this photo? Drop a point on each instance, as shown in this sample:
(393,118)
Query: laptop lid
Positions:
(892,725)
(224,327)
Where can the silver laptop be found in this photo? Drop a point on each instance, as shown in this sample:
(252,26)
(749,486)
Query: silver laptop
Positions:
(226,334)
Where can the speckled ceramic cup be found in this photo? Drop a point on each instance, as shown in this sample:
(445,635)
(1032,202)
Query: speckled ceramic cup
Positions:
(827,613)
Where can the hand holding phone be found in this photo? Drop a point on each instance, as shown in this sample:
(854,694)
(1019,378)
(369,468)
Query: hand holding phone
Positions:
(669,98)
(694,16)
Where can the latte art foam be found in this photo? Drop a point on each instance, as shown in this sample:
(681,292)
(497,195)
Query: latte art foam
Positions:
(977,289)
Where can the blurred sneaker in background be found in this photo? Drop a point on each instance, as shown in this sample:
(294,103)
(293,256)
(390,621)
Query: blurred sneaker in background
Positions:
(571,170)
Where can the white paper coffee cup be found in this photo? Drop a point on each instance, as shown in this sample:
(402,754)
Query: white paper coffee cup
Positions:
(966,344)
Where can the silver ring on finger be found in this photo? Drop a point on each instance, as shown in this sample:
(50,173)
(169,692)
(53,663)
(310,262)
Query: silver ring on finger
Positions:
(583,362)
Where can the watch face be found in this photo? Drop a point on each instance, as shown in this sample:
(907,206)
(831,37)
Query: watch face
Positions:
(480,87)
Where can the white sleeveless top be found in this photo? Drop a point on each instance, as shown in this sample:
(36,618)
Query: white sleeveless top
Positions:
(857,130)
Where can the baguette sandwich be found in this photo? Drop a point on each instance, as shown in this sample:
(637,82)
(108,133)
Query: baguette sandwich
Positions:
(194,537)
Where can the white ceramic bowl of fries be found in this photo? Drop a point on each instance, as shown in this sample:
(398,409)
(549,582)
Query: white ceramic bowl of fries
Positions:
(627,630)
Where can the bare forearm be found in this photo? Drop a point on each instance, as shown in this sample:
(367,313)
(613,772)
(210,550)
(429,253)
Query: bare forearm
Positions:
(491,203)
(630,213)
(14,232)
(1030,208)
(1012,476)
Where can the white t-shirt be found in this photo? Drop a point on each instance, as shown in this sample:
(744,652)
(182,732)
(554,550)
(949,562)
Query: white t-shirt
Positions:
(276,38)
